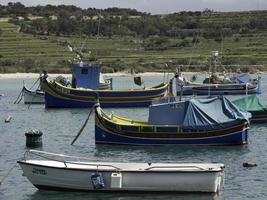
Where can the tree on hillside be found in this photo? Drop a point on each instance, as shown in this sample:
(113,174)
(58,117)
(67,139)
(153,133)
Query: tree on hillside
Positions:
(17,9)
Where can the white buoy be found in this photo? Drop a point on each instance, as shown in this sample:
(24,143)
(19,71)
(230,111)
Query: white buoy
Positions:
(8,119)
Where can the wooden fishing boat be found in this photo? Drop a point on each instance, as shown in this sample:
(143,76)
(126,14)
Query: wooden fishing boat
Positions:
(212,121)
(58,95)
(33,96)
(38,96)
(239,84)
(69,174)
(253,105)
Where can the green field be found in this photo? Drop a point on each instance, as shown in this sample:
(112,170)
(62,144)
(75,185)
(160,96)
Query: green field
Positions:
(21,52)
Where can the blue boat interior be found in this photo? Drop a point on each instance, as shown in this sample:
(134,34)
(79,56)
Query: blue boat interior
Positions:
(242,78)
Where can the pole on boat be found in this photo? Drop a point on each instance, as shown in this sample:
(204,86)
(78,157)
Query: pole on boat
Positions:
(180,81)
(247,89)
(181,91)
(164,75)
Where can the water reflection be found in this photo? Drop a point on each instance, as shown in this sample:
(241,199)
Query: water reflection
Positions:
(51,195)
(170,153)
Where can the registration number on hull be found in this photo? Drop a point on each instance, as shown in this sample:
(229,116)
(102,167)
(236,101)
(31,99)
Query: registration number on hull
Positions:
(39,171)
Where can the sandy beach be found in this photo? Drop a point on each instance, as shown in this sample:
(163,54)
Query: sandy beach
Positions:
(36,75)
(117,74)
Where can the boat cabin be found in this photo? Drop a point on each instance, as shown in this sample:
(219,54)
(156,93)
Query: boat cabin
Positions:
(85,75)
(167,113)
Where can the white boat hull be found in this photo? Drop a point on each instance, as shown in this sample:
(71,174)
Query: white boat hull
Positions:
(33,97)
(157,177)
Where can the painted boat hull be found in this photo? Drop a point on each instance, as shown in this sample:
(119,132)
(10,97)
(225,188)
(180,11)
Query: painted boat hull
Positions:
(219,89)
(57,96)
(33,97)
(108,132)
(59,176)
(259,116)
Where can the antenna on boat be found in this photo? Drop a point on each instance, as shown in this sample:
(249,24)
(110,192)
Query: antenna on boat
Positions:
(181,81)
(98,26)
(212,67)
(164,75)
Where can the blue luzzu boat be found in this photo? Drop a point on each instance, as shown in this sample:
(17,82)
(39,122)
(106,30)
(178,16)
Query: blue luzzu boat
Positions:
(236,85)
(212,121)
(83,90)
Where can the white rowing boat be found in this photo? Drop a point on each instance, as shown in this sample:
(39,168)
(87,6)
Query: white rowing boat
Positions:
(33,97)
(70,174)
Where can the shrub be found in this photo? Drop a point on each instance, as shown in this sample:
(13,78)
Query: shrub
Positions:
(105,69)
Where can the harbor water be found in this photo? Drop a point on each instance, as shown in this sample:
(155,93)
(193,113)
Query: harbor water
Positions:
(60,126)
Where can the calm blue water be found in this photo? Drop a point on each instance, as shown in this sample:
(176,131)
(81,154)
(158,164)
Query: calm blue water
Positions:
(60,126)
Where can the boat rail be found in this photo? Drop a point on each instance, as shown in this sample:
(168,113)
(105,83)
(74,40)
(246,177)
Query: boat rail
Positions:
(78,159)
(165,100)
(175,167)
(46,155)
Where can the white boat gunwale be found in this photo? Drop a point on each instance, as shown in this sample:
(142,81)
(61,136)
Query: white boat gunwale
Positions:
(171,169)
(180,167)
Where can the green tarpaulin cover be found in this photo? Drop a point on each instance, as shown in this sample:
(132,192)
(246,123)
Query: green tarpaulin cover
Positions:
(249,103)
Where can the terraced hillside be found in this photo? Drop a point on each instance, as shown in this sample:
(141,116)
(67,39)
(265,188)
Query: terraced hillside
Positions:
(21,52)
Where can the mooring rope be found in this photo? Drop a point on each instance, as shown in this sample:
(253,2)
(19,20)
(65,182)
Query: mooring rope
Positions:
(9,171)
(35,83)
(81,130)
(19,97)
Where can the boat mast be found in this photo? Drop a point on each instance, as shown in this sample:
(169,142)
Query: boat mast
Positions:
(98,27)
(213,66)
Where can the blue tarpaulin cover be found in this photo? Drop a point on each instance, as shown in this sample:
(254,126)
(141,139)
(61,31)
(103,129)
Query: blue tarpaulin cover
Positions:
(212,113)
(242,78)
(198,114)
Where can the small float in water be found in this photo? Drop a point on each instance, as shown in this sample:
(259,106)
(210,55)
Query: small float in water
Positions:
(71,174)
(8,119)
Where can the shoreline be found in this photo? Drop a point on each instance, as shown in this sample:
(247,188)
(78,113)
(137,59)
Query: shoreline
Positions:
(36,75)
(117,74)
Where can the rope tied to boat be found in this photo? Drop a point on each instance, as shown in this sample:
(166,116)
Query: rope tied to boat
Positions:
(87,119)
(19,98)
(7,174)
